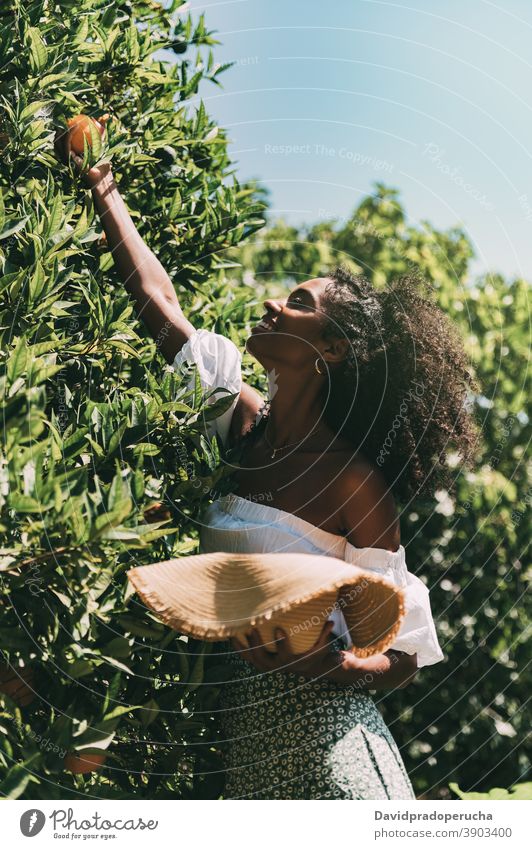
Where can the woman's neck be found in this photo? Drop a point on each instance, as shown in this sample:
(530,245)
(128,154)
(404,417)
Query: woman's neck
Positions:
(295,413)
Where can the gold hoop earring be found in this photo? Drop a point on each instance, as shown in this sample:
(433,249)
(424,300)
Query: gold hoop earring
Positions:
(316,365)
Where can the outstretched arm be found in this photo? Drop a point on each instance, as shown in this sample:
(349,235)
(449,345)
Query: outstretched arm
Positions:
(141,272)
(139,269)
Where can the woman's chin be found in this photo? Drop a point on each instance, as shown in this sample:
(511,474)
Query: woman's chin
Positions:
(258,344)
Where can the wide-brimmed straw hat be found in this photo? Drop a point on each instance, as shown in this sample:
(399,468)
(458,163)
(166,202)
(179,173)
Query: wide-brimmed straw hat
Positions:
(219,595)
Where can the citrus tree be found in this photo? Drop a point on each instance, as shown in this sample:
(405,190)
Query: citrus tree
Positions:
(463,720)
(103,464)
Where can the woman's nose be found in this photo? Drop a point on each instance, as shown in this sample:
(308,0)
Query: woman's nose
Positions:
(274,304)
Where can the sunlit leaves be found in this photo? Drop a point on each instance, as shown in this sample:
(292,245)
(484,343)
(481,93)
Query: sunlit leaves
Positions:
(95,428)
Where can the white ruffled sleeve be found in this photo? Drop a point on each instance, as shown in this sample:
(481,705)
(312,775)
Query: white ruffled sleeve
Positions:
(417,633)
(219,364)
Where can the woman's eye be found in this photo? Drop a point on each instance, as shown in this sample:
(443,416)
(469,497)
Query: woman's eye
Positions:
(296,302)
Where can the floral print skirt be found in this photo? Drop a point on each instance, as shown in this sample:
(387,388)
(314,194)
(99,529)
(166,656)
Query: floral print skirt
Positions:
(290,737)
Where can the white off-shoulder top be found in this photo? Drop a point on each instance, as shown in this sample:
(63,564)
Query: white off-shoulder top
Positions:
(234,523)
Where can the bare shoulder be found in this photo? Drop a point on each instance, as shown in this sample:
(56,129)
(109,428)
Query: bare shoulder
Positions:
(368,510)
(248,405)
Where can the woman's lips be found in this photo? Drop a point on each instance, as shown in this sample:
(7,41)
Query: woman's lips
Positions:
(264,325)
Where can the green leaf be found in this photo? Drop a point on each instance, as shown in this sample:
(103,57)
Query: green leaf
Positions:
(37,282)
(120,710)
(55,217)
(147,448)
(114,444)
(175,205)
(124,346)
(134,625)
(149,712)
(517,792)
(114,532)
(221,405)
(32,108)
(14,225)
(18,777)
(114,517)
(98,737)
(80,668)
(117,647)
(18,360)
(196,677)
(184,665)
(44,373)
(175,407)
(38,50)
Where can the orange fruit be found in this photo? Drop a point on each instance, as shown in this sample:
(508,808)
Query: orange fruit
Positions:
(157,513)
(79,129)
(17,684)
(82,762)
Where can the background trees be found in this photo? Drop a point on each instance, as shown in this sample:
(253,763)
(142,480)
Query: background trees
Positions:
(103,463)
(464,719)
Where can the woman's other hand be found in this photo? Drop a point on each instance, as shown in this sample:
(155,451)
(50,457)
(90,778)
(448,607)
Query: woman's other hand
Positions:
(388,671)
(312,663)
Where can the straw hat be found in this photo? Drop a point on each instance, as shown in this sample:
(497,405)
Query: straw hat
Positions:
(220,595)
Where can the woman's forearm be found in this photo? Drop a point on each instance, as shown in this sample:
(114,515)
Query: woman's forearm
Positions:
(141,272)
(136,264)
(387,671)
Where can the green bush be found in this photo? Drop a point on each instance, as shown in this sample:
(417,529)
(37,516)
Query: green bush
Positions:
(517,793)
(103,464)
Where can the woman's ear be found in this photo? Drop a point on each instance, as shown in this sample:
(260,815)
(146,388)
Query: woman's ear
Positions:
(336,349)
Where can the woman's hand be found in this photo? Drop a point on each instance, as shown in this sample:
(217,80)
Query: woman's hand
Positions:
(388,671)
(312,663)
(91,177)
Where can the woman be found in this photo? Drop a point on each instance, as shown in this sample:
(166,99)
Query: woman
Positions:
(367,388)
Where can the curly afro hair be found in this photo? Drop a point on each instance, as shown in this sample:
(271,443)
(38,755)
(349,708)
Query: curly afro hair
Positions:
(403,394)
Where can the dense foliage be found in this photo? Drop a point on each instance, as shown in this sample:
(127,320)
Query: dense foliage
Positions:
(103,464)
(97,430)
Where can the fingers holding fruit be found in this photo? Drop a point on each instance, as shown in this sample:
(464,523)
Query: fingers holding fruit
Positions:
(81,129)
(69,144)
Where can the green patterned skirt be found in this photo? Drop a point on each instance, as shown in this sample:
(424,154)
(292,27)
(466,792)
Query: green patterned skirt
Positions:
(289,737)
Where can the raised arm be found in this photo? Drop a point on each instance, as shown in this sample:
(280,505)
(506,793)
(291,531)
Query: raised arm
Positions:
(139,269)
(144,277)
(141,272)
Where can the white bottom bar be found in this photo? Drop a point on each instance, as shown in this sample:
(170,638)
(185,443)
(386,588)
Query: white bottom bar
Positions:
(257,825)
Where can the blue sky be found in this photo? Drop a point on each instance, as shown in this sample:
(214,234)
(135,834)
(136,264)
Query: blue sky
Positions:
(431,97)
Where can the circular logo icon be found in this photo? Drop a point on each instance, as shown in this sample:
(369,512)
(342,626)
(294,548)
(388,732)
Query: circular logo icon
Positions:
(32,822)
